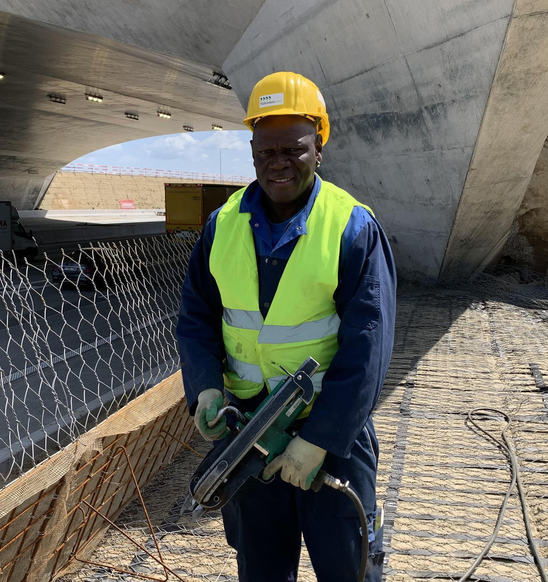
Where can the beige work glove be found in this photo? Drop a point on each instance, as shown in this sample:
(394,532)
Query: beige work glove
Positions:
(300,463)
(210,401)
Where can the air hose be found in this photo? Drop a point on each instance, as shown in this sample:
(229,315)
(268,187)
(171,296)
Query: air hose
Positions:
(505,446)
(324,478)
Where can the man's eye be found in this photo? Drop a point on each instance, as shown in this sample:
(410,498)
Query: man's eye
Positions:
(293,150)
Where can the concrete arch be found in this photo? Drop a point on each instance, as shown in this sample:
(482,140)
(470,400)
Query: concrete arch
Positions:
(415,94)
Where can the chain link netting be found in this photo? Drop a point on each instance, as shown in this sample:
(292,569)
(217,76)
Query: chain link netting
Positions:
(83,332)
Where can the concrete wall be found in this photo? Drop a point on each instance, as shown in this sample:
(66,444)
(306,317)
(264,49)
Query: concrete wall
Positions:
(528,245)
(439,109)
(513,131)
(79,190)
(406,86)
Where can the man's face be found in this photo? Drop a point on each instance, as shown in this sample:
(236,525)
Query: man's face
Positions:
(286,151)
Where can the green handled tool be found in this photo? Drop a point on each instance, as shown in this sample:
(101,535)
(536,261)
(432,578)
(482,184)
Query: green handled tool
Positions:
(257,439)
(259,436)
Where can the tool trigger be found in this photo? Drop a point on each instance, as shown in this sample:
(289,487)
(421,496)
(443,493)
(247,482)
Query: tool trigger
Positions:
(223,411)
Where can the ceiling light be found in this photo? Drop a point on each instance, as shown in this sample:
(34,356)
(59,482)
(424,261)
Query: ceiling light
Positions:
(163,114)
(220,80)
(188,128)
(94,97)
(131,115)
(216,127)
(2,76)
(55,98)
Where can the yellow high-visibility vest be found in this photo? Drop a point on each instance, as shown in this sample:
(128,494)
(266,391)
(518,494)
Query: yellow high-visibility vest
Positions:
(302,320)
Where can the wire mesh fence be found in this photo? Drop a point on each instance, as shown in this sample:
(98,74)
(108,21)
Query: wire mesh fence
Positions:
(81,334)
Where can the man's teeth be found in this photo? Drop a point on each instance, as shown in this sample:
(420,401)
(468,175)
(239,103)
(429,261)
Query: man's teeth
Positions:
(281,180)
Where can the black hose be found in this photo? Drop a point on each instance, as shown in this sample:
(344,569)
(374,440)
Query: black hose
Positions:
(347,490)
(324,478)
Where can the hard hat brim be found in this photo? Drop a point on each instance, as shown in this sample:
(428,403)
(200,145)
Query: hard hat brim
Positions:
(323,129)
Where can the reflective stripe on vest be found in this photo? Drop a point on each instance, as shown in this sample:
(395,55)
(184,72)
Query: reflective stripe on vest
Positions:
(246,371)
(309,330)
(279,334)
(302,319)
(253,373)
(243,318)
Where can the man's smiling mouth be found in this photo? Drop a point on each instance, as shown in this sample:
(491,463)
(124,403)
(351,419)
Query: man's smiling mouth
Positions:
(281,180)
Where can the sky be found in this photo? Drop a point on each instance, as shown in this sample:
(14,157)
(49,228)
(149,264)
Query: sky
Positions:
(204,151)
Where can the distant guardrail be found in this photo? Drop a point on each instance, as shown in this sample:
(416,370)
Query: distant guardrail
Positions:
(156,173)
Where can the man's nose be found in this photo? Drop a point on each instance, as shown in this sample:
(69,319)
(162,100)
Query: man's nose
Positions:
(279,160)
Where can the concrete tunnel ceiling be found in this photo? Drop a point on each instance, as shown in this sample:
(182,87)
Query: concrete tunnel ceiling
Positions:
(439,111)
(57,49)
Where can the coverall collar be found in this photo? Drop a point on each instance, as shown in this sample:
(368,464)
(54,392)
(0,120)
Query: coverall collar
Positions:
(260,225)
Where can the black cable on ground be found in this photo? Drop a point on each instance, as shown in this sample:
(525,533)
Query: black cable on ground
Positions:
(505,446)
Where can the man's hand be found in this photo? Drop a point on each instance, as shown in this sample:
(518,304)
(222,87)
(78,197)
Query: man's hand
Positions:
(209,403)
(300,463)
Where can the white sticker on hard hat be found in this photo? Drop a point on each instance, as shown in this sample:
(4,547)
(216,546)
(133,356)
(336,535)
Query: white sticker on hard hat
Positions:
(272,99)
(321,99)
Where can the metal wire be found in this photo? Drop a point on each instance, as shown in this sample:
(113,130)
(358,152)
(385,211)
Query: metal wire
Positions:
(157,558)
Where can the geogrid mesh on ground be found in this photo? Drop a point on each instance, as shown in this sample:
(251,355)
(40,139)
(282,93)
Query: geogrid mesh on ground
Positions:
(442,483)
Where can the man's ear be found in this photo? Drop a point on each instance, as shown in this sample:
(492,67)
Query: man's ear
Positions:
(319,147)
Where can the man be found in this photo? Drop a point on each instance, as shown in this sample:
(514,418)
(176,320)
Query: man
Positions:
(292,267)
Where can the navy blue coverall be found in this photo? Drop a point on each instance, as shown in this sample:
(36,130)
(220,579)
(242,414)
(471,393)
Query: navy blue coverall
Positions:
(264,522)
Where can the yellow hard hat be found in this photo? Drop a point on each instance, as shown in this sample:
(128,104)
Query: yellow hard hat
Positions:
(286,93)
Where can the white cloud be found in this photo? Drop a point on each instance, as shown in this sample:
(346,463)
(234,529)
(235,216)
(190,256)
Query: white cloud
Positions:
(226,140)
(208,152)
(170,146)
